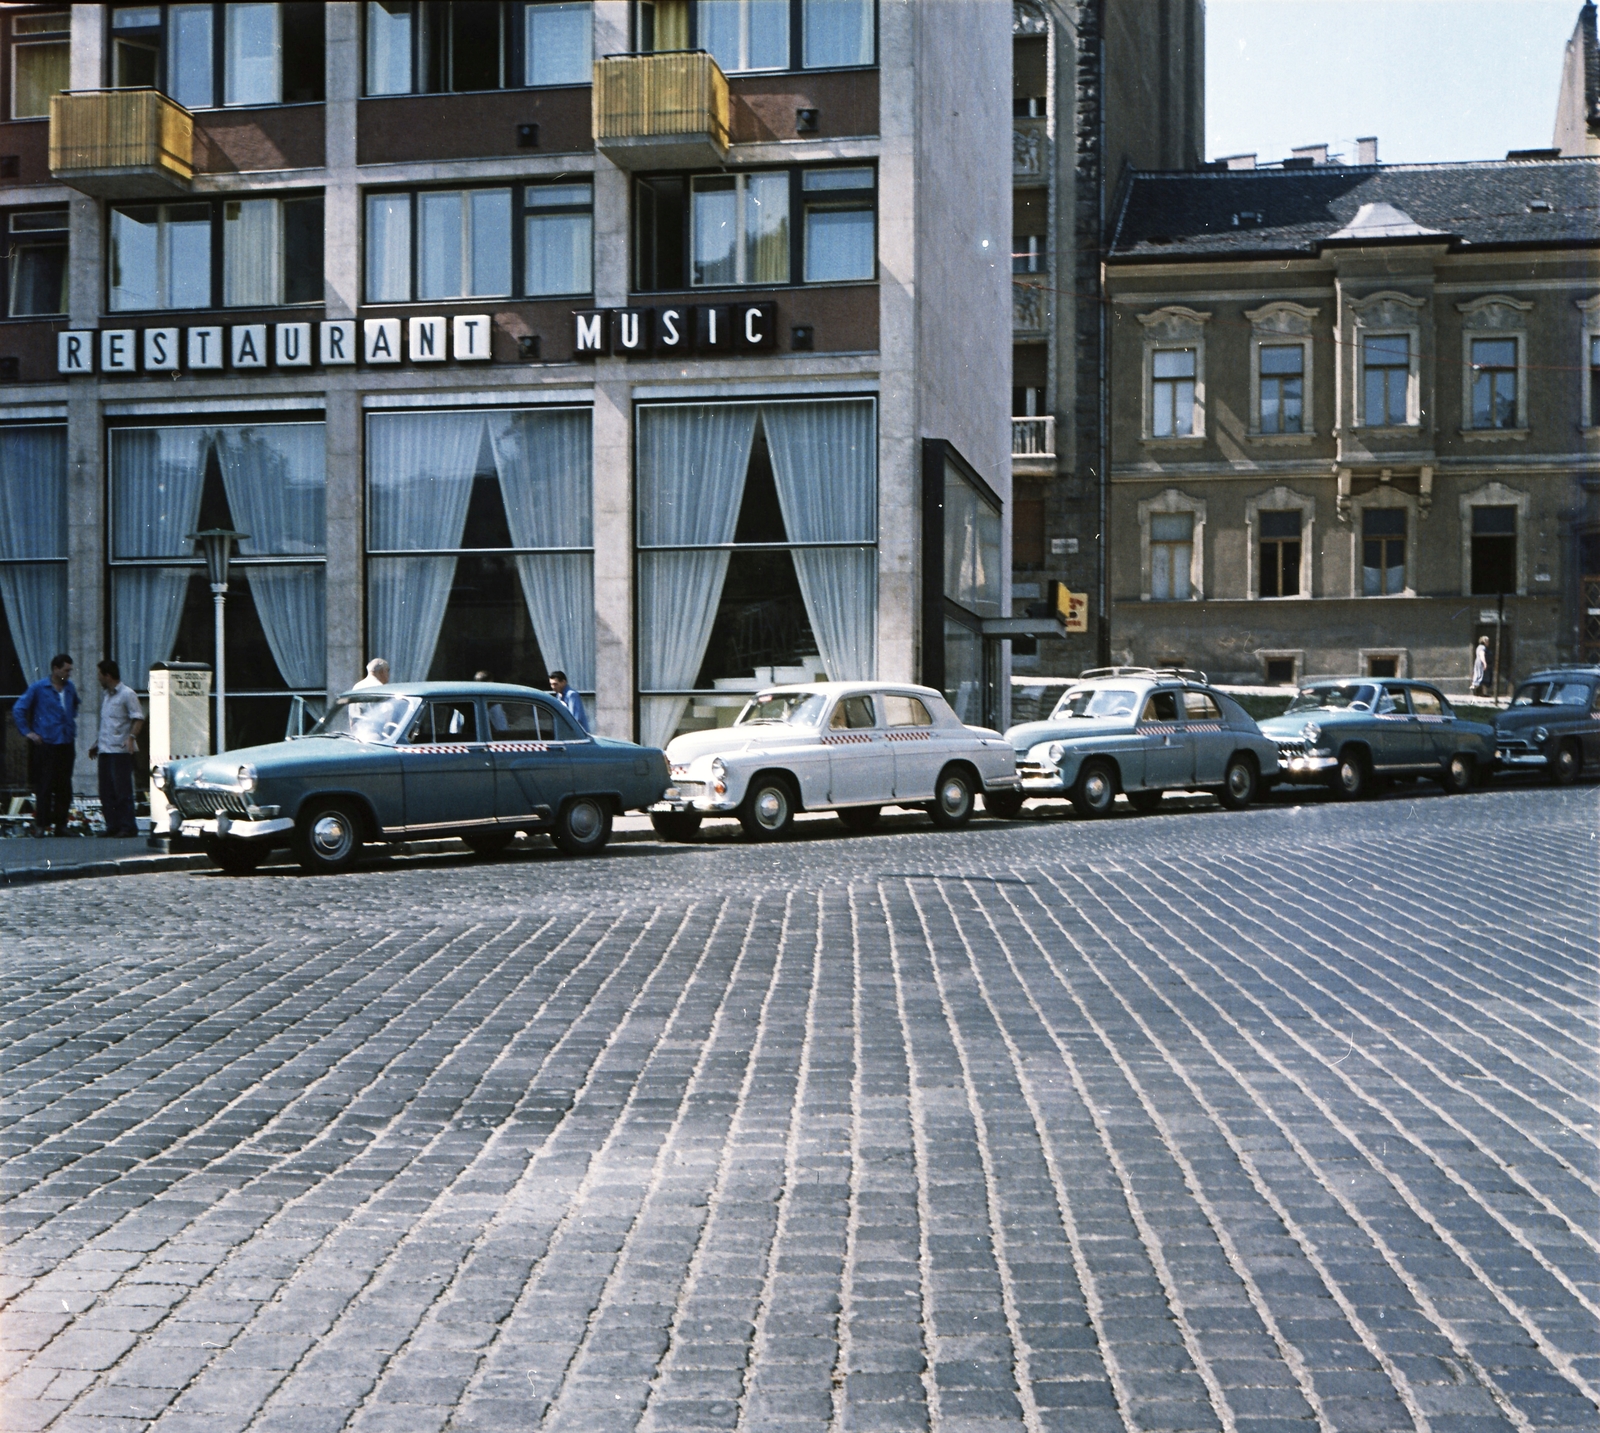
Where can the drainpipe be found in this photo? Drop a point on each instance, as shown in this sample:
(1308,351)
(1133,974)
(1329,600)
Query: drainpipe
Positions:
(1103,644)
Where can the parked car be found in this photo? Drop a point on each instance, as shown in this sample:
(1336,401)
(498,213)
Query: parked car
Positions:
(475,760)
(1350,733)
(1143,732)
(849,747)
(1552,724)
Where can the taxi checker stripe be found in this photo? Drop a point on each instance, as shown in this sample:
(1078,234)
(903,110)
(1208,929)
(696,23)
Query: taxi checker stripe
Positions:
(848,736)
(909,736)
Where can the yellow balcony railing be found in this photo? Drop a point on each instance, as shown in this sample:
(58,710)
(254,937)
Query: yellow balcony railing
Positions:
(121,144)
(663,109)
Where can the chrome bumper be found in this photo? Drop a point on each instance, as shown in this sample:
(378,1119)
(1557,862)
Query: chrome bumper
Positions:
(1521,758)
(230,826)
(1306,768)
(1004,783)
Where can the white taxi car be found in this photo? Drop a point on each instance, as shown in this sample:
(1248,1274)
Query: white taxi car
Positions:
(850,747)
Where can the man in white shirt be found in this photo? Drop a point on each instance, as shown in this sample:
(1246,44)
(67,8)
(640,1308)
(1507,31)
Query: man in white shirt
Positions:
(377,674)
(121,721)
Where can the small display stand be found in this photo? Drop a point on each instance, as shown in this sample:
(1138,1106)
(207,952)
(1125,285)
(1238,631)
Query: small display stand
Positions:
(180,722)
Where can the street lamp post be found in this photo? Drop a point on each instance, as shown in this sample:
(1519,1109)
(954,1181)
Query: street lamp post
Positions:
(216,545)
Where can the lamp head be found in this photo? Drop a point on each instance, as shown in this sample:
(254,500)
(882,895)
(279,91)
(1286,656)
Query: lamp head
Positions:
(216,546)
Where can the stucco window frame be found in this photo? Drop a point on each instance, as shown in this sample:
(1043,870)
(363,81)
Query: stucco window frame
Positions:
(1494,495)
(1384,496)
(1279,499)
(1494,316)
(1384,315)
(1174,500)
(1173,327)
(1279,325)
(1402,662)
(1590,309)
(1297,655)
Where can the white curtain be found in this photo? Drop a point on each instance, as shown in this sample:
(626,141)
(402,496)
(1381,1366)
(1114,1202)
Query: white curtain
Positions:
(692,464)
(156,477)
(824,464)
(545,461)
(420,468)
(33,524)
(276,483)
(252,252)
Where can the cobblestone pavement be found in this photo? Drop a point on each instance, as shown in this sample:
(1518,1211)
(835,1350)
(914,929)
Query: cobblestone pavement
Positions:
(1263,1123)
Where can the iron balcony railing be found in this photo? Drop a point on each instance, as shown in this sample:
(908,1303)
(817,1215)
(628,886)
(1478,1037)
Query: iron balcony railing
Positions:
(1033,437)
(658,102)
(121,144)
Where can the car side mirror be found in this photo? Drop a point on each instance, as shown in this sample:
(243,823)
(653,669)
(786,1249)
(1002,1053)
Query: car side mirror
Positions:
(1359,707)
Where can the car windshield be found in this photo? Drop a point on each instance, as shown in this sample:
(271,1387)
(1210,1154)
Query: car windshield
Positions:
(379,719)
(792,708)
(1355,696)
(1095,702)
(1551,694)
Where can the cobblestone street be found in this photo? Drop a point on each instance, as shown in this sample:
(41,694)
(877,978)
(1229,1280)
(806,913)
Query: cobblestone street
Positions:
(1264,1122)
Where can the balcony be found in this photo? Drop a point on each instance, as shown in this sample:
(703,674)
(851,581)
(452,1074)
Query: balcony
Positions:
(1030,307)
(1033,437)
(121,144)
(663,111)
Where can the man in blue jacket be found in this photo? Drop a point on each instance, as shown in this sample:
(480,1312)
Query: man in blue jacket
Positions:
(47,714)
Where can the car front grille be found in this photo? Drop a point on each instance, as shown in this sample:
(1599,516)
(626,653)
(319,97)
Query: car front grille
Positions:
(193,802)
(1032,770)
(690,790)
(1516,746)
(1289,749)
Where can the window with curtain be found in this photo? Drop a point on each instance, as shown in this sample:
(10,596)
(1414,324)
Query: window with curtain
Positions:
(757,34)
(558,44)
(160,256)
(558,239)
(480,547)
(744,34)
(1171,556)
(1279,554)
(1282,379)
(840,224)
(1383,552)
(36,262)
(1494,383)
(757,553)
(452,243)
(41,61)
(739,229)
(1386,370)
(33,551)
(268,53)
(459,46)
(252,45)
(1172,376)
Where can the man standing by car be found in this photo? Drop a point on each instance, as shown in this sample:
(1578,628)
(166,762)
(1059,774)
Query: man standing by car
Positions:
(569,698)
(47,714)
(121,721)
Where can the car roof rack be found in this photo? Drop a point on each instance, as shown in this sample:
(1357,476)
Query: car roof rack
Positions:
(1090,673)
(1188,674)
(1590,667)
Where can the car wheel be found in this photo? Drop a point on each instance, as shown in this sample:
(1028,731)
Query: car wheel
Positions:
(583,826)
(1351,780)
(860,818)
(327,837)
(1003,805)
(489,844)
(952,802)
(1238,784)
(237,858)
(1566,761)
(767,811)
(1096,790)
(1458,774)
(1145,802)
(675,825)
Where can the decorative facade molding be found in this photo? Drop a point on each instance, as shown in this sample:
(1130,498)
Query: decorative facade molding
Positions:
(1279,324)
(1174,500)
(1028,19)
(1494,495)
(1494,311)
(1280,499)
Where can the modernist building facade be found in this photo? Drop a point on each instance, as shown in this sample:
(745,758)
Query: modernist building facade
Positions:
(642,341)
(1356,418)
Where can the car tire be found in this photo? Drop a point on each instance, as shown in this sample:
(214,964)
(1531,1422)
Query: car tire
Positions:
(1351,780)
(675,825)
(767,811)
(583,826)
(1096,790)
(1003,805)
(953,799)
(1146,803)
(237,858)
(859,818)
(489,844)
(1459,774)
(327,837)
(1239,783)
(1565,762)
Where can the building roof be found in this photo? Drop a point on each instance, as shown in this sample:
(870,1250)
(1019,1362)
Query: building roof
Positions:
(1294,212)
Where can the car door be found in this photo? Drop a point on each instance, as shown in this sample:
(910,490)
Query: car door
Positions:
(1436,733)
(1206,734)
(531,770)
(860,761)
(918,749)
(1167,764)
(1397,742)
(1591,734)
(447,772)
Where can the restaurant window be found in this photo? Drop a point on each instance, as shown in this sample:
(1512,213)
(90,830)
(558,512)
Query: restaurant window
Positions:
(1280,553)
(41,61)
(263,479)
(206,55)
(558,239)
(1282,388)
(1383,552)
(1172,390)
(1386,370)
(36,262)
(1494,383)
(459,46)
(480,554)
(1494,549)
(757,553)
(760,34)
(159,255)
(971,552)
(1171,556)
(33,569)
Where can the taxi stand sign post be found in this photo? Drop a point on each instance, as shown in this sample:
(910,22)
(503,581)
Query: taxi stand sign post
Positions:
(216,543)
(180,723)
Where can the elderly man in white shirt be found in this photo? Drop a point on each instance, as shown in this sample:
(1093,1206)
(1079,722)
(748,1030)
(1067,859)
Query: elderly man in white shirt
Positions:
(116,743)
(377,674)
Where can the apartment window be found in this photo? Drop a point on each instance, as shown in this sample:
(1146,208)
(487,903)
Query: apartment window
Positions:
(1594,379)
(1172,392)
(36,262)
(205,55)
(1030,226)
(739,229)
(558,44)
(1386,365)
(463,243)
(745,34)
(1494,550)
(1279,544)
(452,46)
(558,239)
(40,61)
(1171,556)
(1494,383)
(1282,388)
(161,254)
(1383,552)
(840,225)
(761,34)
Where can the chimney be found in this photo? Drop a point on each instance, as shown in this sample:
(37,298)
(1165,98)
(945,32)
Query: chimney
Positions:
(1239,161)
(1316,153)
(1367,150)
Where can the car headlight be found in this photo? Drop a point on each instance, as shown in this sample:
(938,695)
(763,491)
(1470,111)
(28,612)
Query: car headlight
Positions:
(158,777)
(719,768)
(1311,732)
(1055,751)
(1541,735)
(246,779)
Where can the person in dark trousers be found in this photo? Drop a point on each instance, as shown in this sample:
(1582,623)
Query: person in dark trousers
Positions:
(121,721)
(47,715)
(569,698)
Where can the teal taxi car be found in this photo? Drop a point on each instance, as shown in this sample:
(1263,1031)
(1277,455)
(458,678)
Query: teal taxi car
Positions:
(1553,724)
(1353,733)
(475,760)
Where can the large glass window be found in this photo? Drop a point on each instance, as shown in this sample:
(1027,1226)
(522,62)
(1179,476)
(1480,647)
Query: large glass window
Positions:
(971,546)
(457,46)
(161,256)
(1494,383)
(1280,552)
(1171,556)
(269,53)
(1386,365)
(190,55)
(36,262)
(757,557)
(252,45)
(558,43)
(1383,551)
(558,239)
(840,225)
(836,32)
(389,42)
(1282,388)
(41,61)
(480,545)
(1172,374)
(456,243)
(744,34)
(740,229)
(1494,549)
(756,34)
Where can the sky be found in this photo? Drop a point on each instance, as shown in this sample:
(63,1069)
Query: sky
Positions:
(1433,79)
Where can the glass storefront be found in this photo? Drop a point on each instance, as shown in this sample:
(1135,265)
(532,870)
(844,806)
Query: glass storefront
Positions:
(962,532)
